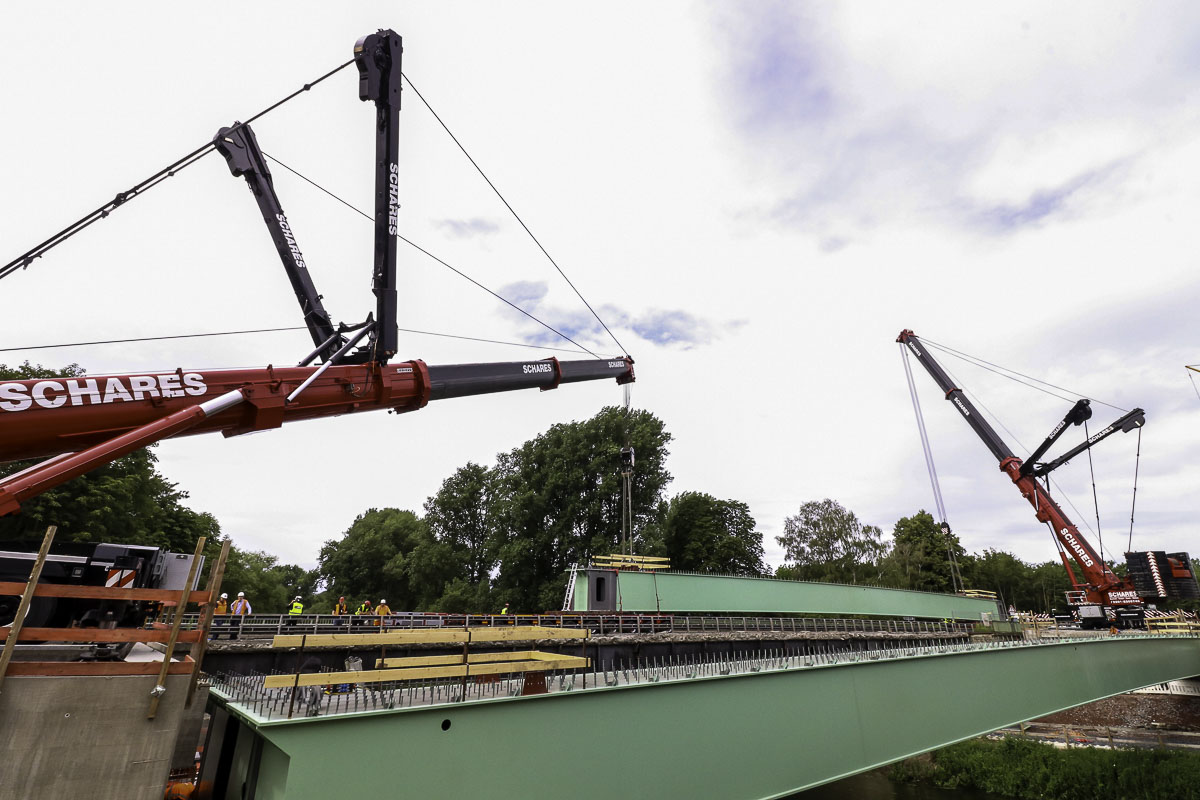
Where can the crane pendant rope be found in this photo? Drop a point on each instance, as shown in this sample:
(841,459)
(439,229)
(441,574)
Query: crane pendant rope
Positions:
(1137,461)
(1095,499)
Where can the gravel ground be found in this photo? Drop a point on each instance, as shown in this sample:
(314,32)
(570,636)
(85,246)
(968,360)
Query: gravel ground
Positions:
(1171,712)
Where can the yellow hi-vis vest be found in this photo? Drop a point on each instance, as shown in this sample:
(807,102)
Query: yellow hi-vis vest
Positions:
(297,608)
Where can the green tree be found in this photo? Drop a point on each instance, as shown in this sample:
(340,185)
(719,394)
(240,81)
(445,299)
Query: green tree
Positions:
(920,555)
(386,553)
(269,585)
(459,516)
(1049,584)
(704,534)
(826,542)
(558,501)
(998,571)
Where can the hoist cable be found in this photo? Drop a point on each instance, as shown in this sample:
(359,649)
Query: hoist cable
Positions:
(1095,499)
(172,169)
(999,370)
(929,465)
(955,576)
(418,247)
(274,330)
(513,211)
(1136,464)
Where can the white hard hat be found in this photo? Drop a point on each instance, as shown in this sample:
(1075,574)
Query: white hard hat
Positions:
(297,600)
(241,594)
(382,602)
(224,596)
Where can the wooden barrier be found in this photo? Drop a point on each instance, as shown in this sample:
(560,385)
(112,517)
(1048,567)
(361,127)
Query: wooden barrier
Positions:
(169,598)
(463,665)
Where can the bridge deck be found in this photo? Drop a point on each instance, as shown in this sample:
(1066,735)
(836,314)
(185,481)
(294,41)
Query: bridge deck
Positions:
(756,727)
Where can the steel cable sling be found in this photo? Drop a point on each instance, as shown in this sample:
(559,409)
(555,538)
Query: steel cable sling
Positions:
(25,259)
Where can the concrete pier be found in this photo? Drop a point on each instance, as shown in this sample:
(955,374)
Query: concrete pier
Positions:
(71,736)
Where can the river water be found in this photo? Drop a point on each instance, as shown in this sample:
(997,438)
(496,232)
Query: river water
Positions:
(874,786)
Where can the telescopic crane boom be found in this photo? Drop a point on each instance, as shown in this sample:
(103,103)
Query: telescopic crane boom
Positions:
(1099,585)
(83,422)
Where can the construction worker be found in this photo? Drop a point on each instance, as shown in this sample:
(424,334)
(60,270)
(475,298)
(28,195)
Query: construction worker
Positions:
(363,610)
(382,610)
(220,610)
(239,610)
(340,610)
(295,610)
(505,609)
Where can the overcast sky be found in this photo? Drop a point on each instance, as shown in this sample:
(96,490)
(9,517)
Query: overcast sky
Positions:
(756,198)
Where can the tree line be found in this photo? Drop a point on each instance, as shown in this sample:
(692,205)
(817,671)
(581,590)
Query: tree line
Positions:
(507,534)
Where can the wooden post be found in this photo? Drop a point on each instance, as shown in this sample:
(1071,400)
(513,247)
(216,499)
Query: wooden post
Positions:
(35,574)
(296,684)
(466,660)
(160,688)
(201,646)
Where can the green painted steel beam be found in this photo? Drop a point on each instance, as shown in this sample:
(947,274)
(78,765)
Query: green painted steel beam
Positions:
(757,735)
(679,592)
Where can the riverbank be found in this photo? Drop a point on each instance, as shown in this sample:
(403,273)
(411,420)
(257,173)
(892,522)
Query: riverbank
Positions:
(1030,770)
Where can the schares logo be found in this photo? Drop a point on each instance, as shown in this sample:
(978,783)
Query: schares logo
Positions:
(98,391)
(393,199)
(291,241)
(1078,548)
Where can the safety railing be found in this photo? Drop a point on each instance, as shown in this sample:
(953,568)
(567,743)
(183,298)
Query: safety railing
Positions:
(1179,625)
(260,626)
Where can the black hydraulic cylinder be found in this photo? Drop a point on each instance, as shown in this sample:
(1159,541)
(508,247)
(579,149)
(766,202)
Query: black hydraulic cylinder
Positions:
(378,58)
(1079,413)
(956,396)
(1130,421)
(464,380)
(245,159)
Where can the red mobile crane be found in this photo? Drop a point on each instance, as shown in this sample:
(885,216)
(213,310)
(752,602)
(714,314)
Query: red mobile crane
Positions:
(82,423)
(1100,596)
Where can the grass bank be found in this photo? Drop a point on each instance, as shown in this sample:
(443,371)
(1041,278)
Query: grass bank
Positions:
(1027,769)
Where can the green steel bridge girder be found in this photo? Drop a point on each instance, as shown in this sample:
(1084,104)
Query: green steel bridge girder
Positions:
(678,592)
(756,735)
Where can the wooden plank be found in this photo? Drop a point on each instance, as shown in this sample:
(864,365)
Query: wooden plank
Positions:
(420,661)
(630,559)
(390,637)
(84,668)
(215,575)
(13,634)
(519,633)
(102,592)
(423,673)
(160,688)
(425,636)
(472,658)
(99,635)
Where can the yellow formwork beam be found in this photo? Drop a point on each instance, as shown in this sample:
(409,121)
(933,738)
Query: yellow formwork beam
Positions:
(472,658)
(549,661)
(514,633)
(632,559)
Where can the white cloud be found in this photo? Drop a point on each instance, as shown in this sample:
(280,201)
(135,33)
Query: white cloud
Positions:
(757,198)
